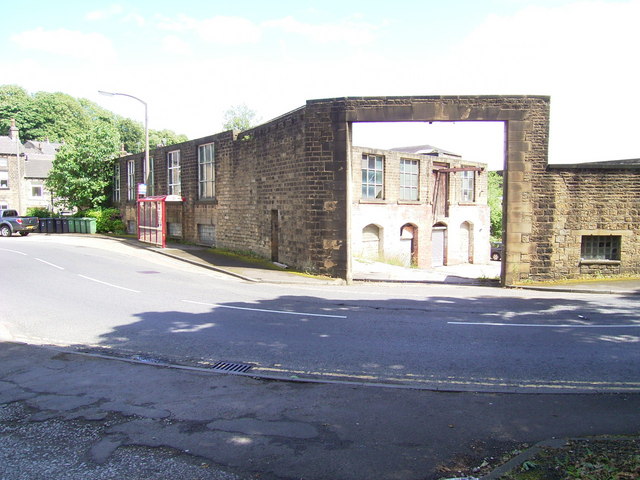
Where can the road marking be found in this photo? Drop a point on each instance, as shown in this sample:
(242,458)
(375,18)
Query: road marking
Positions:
(285,312)
(109,284)
(13,251)
(495,324)
(50,264)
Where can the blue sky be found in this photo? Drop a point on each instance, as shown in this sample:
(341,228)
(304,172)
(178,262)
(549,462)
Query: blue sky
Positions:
(191,60)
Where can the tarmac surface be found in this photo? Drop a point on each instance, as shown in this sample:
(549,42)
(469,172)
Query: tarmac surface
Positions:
(68,415)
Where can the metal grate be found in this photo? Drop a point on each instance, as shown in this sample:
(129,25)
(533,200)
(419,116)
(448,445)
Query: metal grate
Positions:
(231,367)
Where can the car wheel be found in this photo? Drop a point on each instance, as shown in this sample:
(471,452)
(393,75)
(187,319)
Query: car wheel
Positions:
(495,256)
(5,231)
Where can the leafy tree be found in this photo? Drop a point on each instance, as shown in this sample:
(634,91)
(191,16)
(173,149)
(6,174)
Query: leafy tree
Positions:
(82,169)
(495,204)
(164,137)
(239,117)
(15,103)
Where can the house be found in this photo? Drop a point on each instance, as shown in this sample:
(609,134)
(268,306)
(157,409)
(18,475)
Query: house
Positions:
(419,206)
(293,190)
(23,170)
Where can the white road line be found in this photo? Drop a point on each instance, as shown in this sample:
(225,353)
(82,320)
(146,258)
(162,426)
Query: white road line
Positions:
(493,324)
(217,305)
(109,284)
(13,251)
(50,264)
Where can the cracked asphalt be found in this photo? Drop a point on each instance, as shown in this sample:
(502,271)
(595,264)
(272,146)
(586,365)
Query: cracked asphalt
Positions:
(70,416)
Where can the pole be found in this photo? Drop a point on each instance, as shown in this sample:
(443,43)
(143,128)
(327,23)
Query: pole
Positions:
(147,162)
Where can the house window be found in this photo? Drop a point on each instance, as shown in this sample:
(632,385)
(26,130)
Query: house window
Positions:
(131,180)
(600,247)
(372,176)
(4,179)
(206,171)
(408,179)
(36,191)
(468,186)
(173,163)
(116,183)
(4,162)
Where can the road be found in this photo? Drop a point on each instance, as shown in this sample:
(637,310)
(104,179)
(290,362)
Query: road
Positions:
(106,296)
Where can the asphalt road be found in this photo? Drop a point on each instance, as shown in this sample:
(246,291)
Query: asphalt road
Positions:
(102,295)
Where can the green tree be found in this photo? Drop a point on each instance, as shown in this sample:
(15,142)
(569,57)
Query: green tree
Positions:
(15,103)
(164,137)
(82,169)
(495,204)
(239,117)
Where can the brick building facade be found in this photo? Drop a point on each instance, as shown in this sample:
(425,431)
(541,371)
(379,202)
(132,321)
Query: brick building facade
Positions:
(285,189)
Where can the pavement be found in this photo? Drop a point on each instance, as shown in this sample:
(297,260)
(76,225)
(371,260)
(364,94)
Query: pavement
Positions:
(370,271)
(68,415)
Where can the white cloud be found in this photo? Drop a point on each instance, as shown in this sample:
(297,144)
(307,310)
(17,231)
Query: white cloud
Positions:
(347,31)
(175,44)
(219,29)
(108,12)
(69,43)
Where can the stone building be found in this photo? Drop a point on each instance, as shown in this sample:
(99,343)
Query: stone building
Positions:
(587,221)
(418,206)
(289,189)
(23,170)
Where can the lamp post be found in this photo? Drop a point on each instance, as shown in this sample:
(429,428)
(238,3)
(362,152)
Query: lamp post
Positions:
(147,163)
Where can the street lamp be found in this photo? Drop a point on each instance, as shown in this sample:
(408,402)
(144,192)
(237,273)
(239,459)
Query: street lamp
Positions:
(147,163)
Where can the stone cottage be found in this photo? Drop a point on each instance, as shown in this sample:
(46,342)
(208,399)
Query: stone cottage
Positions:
(23,170)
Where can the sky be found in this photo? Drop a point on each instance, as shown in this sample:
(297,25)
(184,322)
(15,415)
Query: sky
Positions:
(192,60)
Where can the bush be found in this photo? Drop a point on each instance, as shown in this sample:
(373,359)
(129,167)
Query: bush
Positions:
(40,212)
(108,220)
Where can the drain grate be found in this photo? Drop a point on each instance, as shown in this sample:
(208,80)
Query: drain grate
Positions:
(231,367)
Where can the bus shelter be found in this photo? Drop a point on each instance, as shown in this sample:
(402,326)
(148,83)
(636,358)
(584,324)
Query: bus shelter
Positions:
(152,227)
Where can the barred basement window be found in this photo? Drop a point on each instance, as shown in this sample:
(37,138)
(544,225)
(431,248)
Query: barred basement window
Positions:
(600,247)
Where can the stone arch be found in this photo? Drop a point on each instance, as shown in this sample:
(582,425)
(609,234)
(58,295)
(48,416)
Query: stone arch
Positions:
(409,243)
(466,242)
(439,244)
(372,241)
(526,121)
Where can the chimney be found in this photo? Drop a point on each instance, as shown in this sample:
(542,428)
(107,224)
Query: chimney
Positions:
(13,130)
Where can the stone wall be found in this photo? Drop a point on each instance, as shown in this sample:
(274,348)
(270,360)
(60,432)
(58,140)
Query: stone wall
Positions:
(293,172)
(580,200)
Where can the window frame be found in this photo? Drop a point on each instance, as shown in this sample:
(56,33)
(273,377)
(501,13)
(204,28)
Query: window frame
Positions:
(468,192)
(414,184)
(174,185)
(594,248)
(4,173)
(206,171)
(131,180)
(116,183)
(372,179)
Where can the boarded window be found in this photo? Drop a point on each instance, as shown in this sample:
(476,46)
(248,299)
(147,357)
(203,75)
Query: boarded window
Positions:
(206,235)
(371,242)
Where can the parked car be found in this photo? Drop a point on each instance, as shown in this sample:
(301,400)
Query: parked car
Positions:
(11,222)
(496,251)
